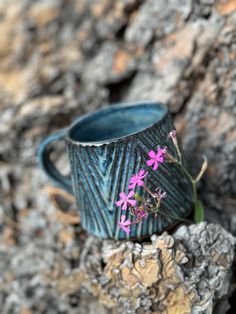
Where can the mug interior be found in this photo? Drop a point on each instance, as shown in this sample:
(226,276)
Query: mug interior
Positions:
(116,121)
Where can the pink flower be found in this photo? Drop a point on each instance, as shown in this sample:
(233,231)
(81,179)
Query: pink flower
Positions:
(139,213)
(156,158)
(137,179)
(172,134)
(125,224)
(125,200)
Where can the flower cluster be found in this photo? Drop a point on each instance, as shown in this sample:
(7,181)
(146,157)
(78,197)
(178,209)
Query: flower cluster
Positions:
(138,206)
(141,207)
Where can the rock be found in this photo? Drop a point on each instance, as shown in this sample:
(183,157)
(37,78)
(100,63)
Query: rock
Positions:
(156,19)
(186,272)
(111,64)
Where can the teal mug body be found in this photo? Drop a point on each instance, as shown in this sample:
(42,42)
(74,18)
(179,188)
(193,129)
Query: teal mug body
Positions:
(105,149)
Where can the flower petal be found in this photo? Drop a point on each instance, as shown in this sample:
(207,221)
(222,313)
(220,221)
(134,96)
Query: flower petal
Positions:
(124,207)
(172,134)
(141,172)
(160,159)
(132,202)
(163,195)
(144,175)
(140,182)
(131,193)
(122,195)
(133,179)
(132,186)
(161,151)
(125,229)
(150,162)
(151,154)
(124,224)
(127,222)
(155,166)
(122,219)
(119,203)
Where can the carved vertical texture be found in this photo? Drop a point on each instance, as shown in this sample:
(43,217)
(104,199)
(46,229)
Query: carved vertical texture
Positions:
(100,173)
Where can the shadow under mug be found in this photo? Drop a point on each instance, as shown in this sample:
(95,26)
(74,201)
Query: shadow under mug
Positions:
(105,149)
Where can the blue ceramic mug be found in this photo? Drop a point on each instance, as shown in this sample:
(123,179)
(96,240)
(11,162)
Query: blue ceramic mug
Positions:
(105,149)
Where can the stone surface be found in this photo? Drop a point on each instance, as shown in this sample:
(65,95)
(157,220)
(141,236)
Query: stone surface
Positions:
(186,272)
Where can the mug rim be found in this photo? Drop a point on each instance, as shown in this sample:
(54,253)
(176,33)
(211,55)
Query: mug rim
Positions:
(108,108)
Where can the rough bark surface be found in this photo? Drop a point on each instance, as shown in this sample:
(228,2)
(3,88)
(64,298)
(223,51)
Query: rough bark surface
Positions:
(60,59)
(186,272)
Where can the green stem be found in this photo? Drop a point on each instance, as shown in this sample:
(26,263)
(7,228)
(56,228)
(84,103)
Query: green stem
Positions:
(195,192)
(177,149)
(192,181)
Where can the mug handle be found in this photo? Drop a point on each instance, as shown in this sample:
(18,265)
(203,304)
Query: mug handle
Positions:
(43,157)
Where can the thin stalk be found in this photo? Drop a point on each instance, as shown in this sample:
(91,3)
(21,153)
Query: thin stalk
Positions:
(177,149)
(147,190)
(191,180)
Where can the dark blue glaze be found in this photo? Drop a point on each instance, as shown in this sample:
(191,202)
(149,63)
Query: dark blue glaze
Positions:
(105,149)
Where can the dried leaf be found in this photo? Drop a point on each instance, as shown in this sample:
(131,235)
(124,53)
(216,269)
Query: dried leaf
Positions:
(203,169)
